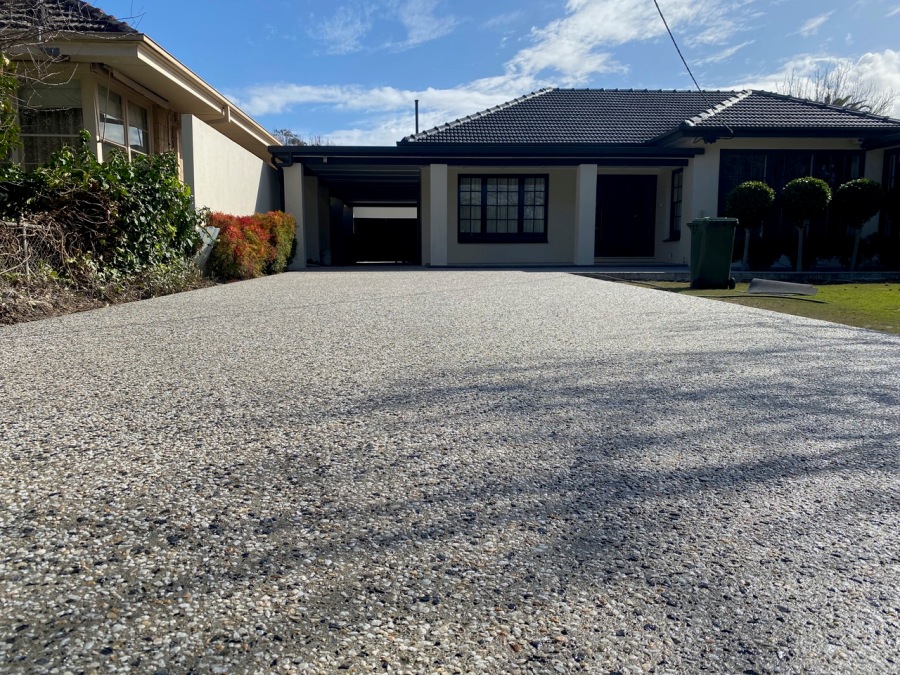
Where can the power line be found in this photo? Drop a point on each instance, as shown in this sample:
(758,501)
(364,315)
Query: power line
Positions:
(684,61)
(677,49)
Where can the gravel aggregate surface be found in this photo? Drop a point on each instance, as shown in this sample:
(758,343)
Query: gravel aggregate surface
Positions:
(447,471)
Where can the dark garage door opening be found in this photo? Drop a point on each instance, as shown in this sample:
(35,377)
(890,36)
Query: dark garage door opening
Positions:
(385,235)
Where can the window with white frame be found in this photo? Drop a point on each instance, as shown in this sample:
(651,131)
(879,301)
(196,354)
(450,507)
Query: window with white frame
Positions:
(50,118)
(124,124)
(495,208)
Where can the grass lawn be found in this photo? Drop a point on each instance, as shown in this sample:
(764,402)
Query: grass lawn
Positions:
(872,305)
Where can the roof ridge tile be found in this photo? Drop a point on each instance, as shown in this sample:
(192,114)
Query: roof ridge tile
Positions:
(711,112)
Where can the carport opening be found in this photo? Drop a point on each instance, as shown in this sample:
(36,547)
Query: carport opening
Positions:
(386,235)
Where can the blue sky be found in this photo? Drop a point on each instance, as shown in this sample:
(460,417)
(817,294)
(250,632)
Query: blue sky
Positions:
(349,70)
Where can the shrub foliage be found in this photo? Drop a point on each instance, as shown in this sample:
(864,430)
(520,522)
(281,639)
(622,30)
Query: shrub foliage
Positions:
(115,218)
(805,198)
(750,202)
(250,246)
(857,201)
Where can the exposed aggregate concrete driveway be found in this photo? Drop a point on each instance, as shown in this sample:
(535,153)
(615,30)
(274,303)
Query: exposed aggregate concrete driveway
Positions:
(447,471)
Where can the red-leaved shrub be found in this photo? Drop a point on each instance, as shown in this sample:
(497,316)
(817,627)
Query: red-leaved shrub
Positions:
(250,246)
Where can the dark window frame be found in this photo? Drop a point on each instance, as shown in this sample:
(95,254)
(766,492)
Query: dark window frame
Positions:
(517,237)
(778,167)
(890,179)
(676,204)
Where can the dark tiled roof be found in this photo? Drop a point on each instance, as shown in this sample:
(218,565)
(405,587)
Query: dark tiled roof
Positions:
(638,117)
(761,109)
(57,15)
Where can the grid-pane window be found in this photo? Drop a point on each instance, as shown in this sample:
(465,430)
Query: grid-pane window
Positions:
(124,125)
(677,199)
(470,205)
(502,208)
(50,117)
(534,214)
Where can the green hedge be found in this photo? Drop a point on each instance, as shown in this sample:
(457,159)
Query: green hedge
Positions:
(116,217)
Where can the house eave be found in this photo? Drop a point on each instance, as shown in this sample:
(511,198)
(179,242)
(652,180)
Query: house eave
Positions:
(140,59)
(713,134)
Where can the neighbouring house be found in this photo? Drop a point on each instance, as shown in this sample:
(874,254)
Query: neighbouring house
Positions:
(84,69)
(575,177)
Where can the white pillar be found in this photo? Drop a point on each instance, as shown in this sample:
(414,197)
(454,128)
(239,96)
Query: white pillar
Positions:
(311,217)
(293,204)
(586,213)
(439,215)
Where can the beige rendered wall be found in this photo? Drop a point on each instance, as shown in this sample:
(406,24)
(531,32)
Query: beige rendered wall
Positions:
(561,218)
(293,204)
(874,171)
(222,175)
(425,213)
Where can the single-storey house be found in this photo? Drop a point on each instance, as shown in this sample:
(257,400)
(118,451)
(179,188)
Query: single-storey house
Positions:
(573,177)
(84,69)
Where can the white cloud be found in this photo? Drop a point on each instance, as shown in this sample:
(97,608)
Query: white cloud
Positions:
(724,55)
(577,45)
(388,111)
(812,26)
(565,52)
(341,34)
(421,21)
(503,20)
(882,69)
(895,11)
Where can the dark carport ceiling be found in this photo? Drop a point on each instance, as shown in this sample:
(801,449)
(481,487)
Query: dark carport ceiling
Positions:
(357,184)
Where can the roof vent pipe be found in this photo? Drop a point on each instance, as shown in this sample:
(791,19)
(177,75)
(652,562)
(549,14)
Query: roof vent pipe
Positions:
(417,115)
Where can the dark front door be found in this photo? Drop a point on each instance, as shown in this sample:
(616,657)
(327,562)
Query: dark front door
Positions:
(626,216)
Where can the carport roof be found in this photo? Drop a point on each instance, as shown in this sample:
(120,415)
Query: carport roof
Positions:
(391,174)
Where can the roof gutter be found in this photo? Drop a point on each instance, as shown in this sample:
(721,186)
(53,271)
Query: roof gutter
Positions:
(434,151)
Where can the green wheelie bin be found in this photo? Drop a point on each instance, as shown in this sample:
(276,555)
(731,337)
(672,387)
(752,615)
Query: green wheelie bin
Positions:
(712,241)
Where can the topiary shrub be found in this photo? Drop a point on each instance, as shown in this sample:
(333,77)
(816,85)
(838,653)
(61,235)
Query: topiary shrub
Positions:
(250,246)
(802,200)
(855,203)
(750,202)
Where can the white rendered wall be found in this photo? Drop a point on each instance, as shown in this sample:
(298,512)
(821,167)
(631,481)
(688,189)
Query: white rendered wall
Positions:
(293,204)
(586,213)
(222,175)
(438,229)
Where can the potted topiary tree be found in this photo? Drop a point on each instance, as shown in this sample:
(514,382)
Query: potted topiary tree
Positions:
(750,202)
(803,199)
(855,203)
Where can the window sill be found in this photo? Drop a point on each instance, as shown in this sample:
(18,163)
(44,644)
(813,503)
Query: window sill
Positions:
(499,239)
